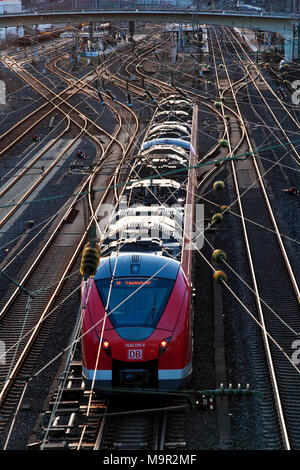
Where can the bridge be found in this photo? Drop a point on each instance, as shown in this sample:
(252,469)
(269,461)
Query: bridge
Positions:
(283,23)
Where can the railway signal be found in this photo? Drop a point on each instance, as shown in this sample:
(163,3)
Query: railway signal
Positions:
(150,96)
(100,96)
(129,100)
(292,191)
(81,154)
(185,95)
(111,95)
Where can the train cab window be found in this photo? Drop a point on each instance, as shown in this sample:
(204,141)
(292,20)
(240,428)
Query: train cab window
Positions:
(135,302)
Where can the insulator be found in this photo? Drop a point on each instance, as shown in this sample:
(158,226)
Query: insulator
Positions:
(217,218)
(219,255)
(220,276)
(218,185)
(217,104)
(223,143)
(224,209)
(90,259)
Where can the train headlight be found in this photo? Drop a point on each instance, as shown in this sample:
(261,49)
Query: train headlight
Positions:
(163,345)
(106,346)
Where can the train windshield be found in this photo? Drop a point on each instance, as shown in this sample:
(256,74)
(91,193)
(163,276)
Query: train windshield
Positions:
(135,302)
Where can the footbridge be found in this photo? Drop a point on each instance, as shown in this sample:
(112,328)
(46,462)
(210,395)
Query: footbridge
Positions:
(283,23)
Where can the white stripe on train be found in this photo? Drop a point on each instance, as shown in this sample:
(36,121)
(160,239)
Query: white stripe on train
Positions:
(163,374)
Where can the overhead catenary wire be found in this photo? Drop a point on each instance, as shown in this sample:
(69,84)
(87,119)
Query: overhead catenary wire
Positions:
(167,173)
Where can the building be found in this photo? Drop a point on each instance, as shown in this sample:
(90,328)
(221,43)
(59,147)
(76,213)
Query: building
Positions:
(10,6)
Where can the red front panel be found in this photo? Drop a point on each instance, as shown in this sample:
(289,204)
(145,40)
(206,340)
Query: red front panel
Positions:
(174,322)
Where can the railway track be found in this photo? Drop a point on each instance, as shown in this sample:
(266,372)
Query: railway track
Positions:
(109,424)
(254,205)
(23,127)
(84,126)
(20,340)
(77,419)
(267,218)
(153,428)
(253,69)
(159,427)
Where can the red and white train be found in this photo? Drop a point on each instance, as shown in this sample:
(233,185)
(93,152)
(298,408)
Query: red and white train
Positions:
(136,310)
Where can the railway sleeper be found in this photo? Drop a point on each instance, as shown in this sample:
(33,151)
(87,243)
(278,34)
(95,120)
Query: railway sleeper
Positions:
(64,404)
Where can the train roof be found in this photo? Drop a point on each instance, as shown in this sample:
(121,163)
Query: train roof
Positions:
(170,126)
(162,182)
(166,142)
(137,265)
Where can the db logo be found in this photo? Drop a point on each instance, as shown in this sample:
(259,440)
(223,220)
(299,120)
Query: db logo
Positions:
(135,354)
(296,94)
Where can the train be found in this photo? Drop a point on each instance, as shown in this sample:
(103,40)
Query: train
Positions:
(39,36)
(137,309)
(250,8)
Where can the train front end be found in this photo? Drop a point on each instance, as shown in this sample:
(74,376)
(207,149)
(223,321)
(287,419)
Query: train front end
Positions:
(137,324)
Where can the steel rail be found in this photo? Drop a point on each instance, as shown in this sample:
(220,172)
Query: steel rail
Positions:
(277,396)
(83,86)
(82,130)
(36,184)
(113,139)
(34,160)
(32,267)
(59,284)
(280,242)
(10,62)
(273,93)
